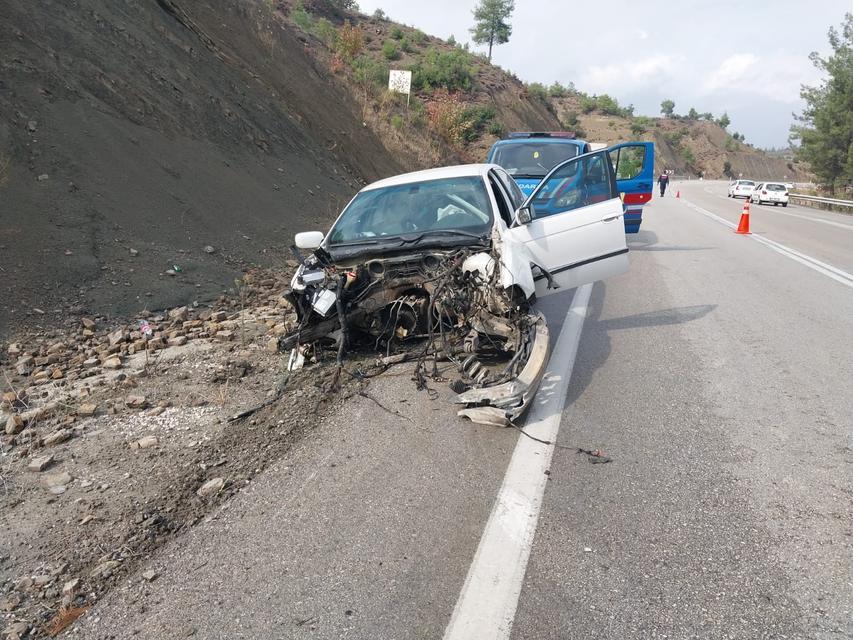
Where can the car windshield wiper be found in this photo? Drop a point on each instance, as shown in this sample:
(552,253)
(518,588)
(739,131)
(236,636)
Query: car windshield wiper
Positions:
(354,243)
(410,238)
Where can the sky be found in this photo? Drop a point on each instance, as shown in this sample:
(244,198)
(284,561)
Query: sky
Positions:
(747,58)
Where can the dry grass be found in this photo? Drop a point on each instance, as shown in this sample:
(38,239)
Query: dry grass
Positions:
(63,619)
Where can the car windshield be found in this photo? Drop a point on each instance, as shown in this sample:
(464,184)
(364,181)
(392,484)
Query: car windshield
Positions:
(533,159)
(775,187)
(746,183)
(453,206)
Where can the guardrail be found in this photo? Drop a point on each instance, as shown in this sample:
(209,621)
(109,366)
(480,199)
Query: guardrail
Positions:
(833,202)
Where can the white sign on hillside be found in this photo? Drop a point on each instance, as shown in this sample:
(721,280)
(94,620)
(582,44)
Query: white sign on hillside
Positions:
(400,81)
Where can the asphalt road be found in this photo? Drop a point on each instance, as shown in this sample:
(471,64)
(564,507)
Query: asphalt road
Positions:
(717,376)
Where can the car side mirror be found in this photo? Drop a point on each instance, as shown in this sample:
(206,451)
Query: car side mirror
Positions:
(523,215)
(308,240)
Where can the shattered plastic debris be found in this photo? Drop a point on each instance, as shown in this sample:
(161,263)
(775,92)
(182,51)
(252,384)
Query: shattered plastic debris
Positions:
(296,361)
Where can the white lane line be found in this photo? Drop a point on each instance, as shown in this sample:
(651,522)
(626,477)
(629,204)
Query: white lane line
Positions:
(487,604)
(841,225)
(821,267)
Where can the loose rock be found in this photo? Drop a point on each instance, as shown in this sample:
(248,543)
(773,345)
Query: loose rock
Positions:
(135,402)
(41,463)
(14,425)
(180,314)
(57,483)
(25,365)
(145,443)
(211,487)
(113,363)
(16,630)
(57,437)
(105,569)
(70,586)
(87,410)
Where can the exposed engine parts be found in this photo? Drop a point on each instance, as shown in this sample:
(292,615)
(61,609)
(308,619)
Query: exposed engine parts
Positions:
(424,307)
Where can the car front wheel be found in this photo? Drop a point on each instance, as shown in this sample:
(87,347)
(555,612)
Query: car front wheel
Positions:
(784,204)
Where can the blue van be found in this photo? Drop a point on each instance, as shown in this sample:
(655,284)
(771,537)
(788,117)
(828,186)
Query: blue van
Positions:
(529,156)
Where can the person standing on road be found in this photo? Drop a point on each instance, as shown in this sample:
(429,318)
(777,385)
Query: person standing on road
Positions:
(663,181)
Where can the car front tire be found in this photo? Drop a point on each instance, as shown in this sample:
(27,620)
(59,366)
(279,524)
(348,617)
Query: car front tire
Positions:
(784,204)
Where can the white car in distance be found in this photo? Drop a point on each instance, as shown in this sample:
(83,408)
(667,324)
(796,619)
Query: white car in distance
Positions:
(741,188)
(767,192)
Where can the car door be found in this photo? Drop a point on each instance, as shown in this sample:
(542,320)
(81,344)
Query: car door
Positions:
(571,225)
(634,165)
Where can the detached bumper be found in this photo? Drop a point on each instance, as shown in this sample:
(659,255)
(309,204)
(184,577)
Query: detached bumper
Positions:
(504,403)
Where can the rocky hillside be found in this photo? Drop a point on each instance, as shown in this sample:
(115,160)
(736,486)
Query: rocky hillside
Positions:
(149,150)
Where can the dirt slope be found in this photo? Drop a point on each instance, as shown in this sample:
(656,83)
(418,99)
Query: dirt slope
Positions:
(163,129)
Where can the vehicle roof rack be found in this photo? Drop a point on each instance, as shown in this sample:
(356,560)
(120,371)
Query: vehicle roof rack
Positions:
(542,134)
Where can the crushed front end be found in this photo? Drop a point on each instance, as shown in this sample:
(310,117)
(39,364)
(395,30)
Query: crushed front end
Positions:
(423,306)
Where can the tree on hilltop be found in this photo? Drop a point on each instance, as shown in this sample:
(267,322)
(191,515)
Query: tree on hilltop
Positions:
(667,108)
(491,22)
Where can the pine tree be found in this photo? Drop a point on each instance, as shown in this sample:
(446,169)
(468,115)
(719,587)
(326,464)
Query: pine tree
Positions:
(826,130)
(491,24)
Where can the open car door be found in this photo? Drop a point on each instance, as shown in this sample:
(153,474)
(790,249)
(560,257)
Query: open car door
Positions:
(571,224)
(634,166)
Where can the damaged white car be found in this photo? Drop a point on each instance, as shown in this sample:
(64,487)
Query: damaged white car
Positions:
(445,264)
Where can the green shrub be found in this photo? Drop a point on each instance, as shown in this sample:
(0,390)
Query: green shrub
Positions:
(588,104)
(326,32)
(418,36)
(449,69)
(538,90)
(406,45)
(571,119)
(390,50)
(397,33)
(496,128)
(557,90)
(397,121)
(607,105)
(640,125)
(379,14)
(301,17)
(417,112)
(370,73)
(478,118)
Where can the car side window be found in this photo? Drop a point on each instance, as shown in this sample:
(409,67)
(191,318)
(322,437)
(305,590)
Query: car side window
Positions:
(628,161)
(582,181)
(511,187)
(505,208)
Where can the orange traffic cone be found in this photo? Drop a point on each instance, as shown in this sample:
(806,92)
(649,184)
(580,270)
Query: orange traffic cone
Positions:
(743,227)
(678,194)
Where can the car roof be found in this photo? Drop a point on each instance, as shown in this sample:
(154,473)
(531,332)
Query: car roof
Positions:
(538,140)
(455,171)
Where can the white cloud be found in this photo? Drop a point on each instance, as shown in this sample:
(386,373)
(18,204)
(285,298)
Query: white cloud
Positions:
(776,76)
(610,78)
